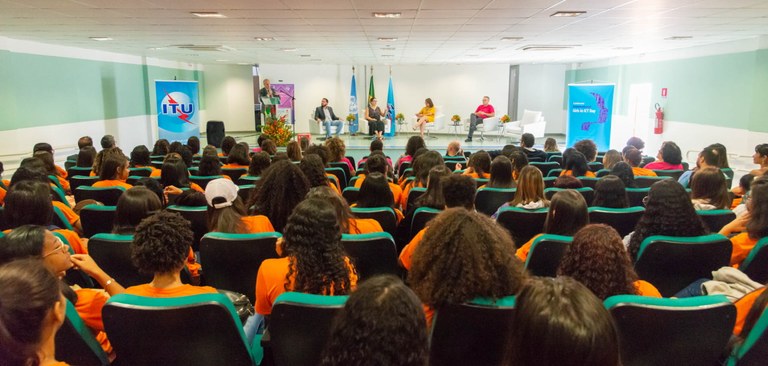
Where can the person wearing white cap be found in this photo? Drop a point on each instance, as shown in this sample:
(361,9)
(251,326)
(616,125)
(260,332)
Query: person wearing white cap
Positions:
(226,211)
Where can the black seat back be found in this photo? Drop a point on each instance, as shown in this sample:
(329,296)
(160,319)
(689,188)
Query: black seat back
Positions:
(113,254)
(522,224)
(197,217)
(488,200)
(546,253)
(621,219)
(372,254)
(385,216)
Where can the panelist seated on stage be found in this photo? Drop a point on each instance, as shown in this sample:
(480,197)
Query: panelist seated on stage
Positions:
(482,112)
(324,114)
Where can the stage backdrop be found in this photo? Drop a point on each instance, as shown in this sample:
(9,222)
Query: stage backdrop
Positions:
(285,108)
(177,109)
(590,107)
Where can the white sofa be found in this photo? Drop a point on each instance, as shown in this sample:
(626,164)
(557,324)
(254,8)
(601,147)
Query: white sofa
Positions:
(532,122)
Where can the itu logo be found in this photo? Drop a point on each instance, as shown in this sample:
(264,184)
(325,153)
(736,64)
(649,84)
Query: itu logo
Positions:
(178,104)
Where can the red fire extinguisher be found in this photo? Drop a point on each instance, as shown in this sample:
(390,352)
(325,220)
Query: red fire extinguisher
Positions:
(659,128)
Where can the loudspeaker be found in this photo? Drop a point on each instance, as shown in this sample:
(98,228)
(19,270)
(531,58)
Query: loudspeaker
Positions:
(214,131)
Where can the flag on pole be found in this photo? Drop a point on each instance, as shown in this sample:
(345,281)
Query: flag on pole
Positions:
(389,130)
(353,125)
(371,92)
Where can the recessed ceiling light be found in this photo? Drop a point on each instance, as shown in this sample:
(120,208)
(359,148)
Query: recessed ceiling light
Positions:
(156,48)
(535,47)
(622,48)
(264,38)
(316,59)
(677,38)
(288,49)
(387,55)
(487,48)
(387,39)
(386,15)
(387,48)
(568,13)
(101,38)
(305,55)
(208,14)
(506,39)
(244,63)
(222,60)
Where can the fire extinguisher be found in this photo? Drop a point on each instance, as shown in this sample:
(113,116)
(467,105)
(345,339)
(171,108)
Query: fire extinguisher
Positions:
(659,128)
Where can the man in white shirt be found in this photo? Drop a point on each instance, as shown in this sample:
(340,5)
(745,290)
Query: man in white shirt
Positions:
(324,114)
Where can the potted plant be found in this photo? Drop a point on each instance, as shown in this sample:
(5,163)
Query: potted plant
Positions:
(504,119)
(456,119)
(399,117)
(278,130)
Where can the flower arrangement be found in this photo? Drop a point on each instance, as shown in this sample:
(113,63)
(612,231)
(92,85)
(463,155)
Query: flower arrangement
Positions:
(278,131)
(351,117)
(399,117)
(456,118)
(504,119)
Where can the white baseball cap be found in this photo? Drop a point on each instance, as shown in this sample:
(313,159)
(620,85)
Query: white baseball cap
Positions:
(222,189)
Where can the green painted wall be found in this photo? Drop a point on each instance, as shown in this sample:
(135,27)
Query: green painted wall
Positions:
(45,90)
(722,90)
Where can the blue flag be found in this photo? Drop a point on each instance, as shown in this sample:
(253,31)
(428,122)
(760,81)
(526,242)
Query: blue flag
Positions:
(389,129)
(353,125)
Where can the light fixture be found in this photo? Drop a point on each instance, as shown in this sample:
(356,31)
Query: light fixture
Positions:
(386,15)
(677,38)
(288,49)
(316,59)
(244,63)
(487,48)
(507,39)
(536,47)
(264,39)
(388,39)
(387,55)
(622,48)
(101,38)
(222,60)
(305,55)
(568,13)
(387,48)
(208,14)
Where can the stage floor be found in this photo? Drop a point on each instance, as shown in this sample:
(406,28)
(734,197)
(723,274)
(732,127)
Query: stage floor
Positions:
(357,146)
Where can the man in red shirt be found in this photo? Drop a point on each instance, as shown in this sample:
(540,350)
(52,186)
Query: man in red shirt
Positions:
(483,111)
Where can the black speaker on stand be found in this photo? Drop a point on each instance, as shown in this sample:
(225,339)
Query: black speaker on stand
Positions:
(214,131)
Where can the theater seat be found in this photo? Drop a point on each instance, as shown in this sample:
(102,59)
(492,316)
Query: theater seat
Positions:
(421,217)
(97,219)
(756,264)
(112,252)
(106,195)
(488,200)
(754,350)
(522,224)
(546,252)
(372,254)
(198,219)
(75,343)
(621,219)
(385,216)
(716,219)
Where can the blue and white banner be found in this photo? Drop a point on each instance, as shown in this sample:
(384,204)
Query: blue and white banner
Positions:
(389,129)
(178,109)
(590,107)
(353,125)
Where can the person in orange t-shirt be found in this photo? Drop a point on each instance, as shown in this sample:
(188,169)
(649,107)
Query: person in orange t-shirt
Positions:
(238,158)
(634,157)
(575,164)
(376,192)
(347,221)
(567,214)
(479,165)
(314,261)
(226,211)
(597,258)
(753,225)
(377,163)
(161,246)
(114,172)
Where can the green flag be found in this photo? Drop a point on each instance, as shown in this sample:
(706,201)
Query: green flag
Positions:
(371,92)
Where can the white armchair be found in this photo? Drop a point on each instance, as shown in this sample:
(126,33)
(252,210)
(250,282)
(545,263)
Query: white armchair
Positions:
(489,124)
(532,122)
(319,128)
(435,126)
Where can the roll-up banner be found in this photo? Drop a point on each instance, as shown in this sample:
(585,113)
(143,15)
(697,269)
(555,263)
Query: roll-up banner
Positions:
(590,107)
(178,109)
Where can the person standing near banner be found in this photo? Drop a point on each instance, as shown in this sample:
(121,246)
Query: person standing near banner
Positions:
(374,116)
(324,114)
(482,112)
(267,91)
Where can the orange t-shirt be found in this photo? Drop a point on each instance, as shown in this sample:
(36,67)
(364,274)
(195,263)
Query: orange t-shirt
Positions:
(88,306)
(646,289)
(742,245)
(257,224)
(73,240)
(112,183)
(64,183)
(2,196)
(70,215)
(155,172)
(364,226)
(477,176)
(407,254)
(60,171)
(736,202)
(522,252)
(404,197)
(335,181)
(234,166)
(589,173)
(270,282)
(196,187)
(183,290)
(332,184)
(397,192)
(643,172)
(743,305)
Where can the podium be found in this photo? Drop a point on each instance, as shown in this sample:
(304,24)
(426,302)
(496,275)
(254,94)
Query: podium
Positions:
(270,106)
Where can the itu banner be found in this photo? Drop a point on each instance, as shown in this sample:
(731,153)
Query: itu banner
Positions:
(353,125)
(177,109)
(590,107)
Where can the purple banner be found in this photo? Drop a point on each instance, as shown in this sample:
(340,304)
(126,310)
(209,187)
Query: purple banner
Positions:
(285,92)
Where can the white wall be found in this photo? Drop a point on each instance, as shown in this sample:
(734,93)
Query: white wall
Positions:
(228,96)
(541,87)
(458,89)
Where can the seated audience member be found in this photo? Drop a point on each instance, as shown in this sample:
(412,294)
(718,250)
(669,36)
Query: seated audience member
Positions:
(597,258)
(482,112)
(487,267)
(303,143)
(530,191)
(610,193)
(760,158)
(576,165)
(501,173)
(193,143)
(668,211)
(425,115)
(431,198)
(259,162)
(559,322)
(44,146)
(32,309)
(414,143)
(161,248)
(748,310)
(610,159)
(376,192)
(421,167)
(294,151)
(191,198)
(382,323)
(709,190)
(227,144)
(753,226)
(154,185)
(227,213)
(634,158)
(114,172)
(210,150)
(312,167)
(102,156)
(550,145)
(454,149)
(237,158)
(625,173)
(281,187)
(134,205)
(636,142)
(526,145)
(722,154)
(376,163)
(312,258)
(140,159)
(708,158)
(51,169)
(457,191)
(161,147)
(669,158)
(740,192)
(86,157)
(35,242)
(259,140)
(108,142)
(210,166)
(174,176)
(567,214)
(31,169)
(519,161)
(324,114)
(586,147)
(268,146)
(348,223)
(376,146)
(85,141)
(568,182)
(337,153)
(479,165)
